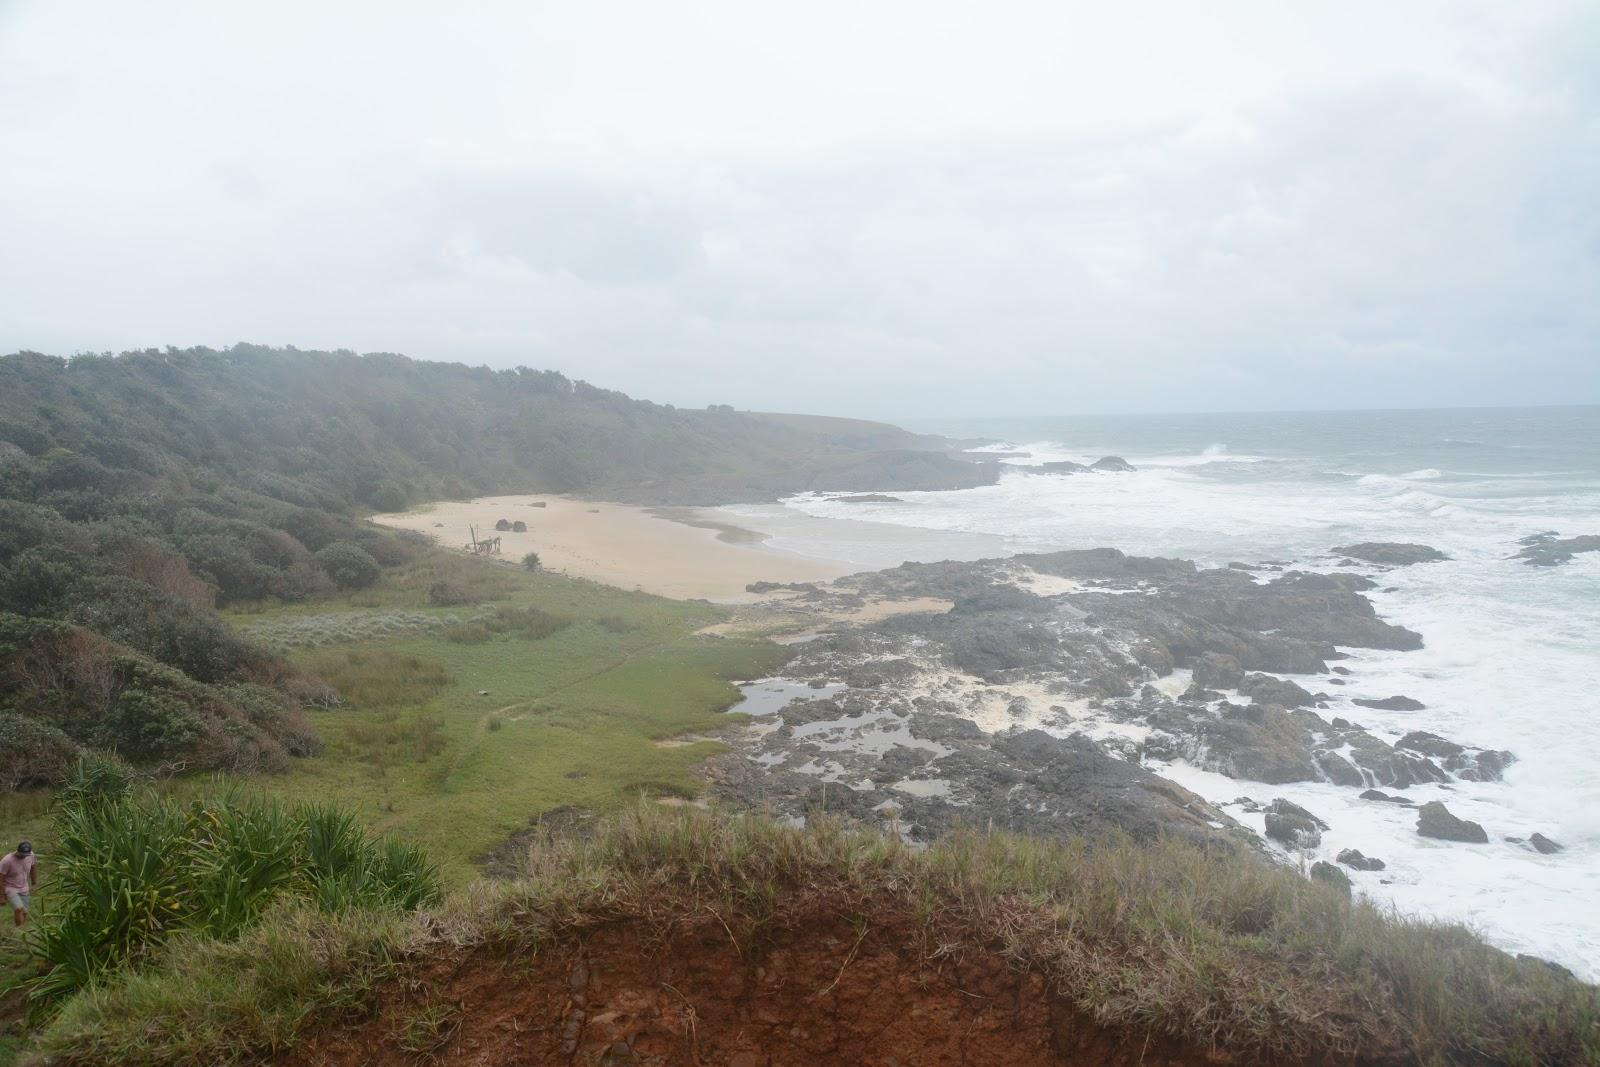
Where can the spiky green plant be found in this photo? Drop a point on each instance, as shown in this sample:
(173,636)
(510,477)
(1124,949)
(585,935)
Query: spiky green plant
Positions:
(129,872)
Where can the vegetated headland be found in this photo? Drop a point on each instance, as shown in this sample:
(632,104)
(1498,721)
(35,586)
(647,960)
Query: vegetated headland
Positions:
(308,788)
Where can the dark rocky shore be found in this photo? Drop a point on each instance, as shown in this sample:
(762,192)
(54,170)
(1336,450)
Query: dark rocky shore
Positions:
(1036,701)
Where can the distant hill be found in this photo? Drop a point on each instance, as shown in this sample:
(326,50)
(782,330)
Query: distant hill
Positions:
(383,430)
(857,433)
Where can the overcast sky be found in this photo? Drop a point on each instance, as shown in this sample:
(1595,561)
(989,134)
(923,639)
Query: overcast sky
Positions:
(863,208)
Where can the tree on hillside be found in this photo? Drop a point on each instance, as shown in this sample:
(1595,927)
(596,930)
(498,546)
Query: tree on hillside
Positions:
(350,566)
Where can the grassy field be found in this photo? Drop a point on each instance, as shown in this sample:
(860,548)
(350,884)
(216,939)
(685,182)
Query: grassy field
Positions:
(454,735)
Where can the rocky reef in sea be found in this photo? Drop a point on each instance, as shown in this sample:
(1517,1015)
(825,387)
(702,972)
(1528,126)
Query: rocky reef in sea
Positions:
(1057,684)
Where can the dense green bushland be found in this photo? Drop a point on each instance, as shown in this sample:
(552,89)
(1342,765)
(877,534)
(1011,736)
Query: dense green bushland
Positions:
(1246,961)
(129,872)
(140,492)
(65,689)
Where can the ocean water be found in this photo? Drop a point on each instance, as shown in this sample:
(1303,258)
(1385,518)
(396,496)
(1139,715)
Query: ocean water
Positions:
(1512,656)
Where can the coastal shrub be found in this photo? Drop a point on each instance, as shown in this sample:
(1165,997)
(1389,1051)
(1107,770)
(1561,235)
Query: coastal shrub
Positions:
(503,525)
(225,559)
(379,677)
(104,696)
(278,714)
(482,579)
(167,629)
(519,527)
(530,561)
(388,497)
(332,628)
(129,873)
(38,581)
(450,594)
(349,565)
(145,560)
(530,623)
(393,548)
(393,740)
(468,633)
(33,753)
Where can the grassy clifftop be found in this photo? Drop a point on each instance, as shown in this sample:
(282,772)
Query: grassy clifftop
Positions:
(677,937)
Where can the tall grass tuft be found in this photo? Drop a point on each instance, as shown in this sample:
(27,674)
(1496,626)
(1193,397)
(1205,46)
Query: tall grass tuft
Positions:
(94,779)
(130,872)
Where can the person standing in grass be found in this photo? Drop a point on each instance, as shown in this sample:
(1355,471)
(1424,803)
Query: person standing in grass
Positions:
(18,876)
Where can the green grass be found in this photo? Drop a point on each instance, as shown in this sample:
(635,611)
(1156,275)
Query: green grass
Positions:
(1169,939)
(582,680)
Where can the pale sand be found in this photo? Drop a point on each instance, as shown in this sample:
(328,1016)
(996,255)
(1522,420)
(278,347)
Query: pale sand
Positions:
(653,550)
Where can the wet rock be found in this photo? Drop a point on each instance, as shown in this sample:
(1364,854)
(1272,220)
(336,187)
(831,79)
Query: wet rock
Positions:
(1429,744)
(1111,463)
(1388,766)
(1265,689)
(901,762)
(1000,598)
(1339,770)
(1217,670)
(1329,875)
(1548,550)
(942,727)
(1060,467)
(879,673)
(1050,785)
(1544,964)
(1544,845)
(1395,703)
(1293,830)
(1435,820)
(1486,765)
(1280,806)
(868,498)
(1340,670)
(1392,553)
(1352,857)
(1198,694)
(1106,563)
(1260,742)
(1473,765)
(1385,798)
(775,587)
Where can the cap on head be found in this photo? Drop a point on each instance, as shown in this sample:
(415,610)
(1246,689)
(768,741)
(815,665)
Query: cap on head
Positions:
(24,847)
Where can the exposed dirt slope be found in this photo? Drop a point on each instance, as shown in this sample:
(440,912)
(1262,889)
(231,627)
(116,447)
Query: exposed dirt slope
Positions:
(821,989)
(824,989)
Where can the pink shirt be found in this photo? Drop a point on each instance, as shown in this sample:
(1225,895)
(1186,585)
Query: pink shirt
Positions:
(15,870)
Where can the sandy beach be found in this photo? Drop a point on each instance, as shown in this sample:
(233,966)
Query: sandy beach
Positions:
(674,552)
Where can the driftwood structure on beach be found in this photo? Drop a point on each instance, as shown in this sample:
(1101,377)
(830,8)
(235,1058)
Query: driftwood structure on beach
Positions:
(487,547)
